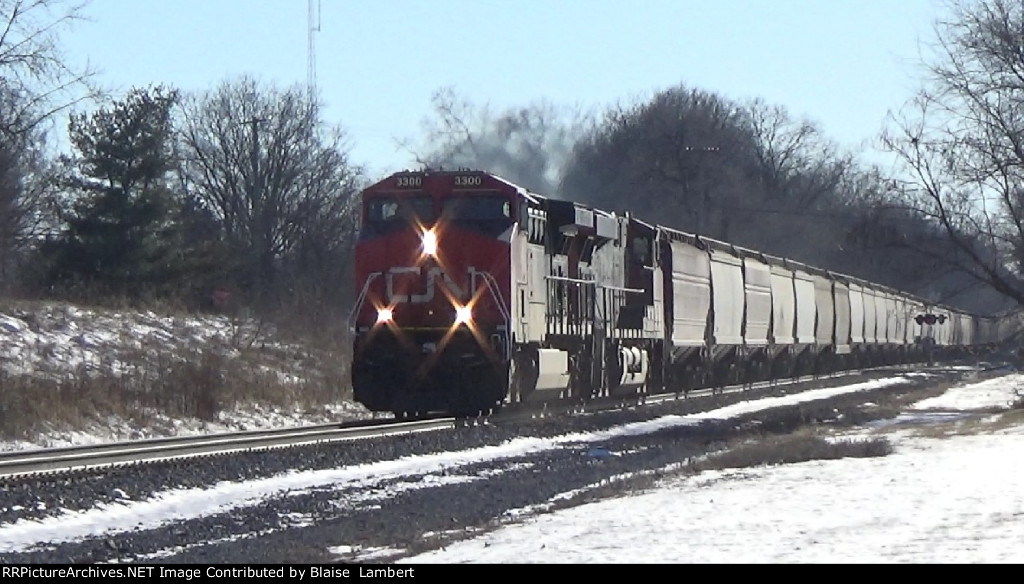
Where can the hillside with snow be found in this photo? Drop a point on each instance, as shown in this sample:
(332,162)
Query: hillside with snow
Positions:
(73,375)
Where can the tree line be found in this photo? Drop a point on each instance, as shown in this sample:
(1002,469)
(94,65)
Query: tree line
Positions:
(245,190)
(165,196)
(945,221)
(748,173)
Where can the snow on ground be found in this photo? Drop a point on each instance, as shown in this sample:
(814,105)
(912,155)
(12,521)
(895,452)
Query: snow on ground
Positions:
(998,393)
(62,341)
(53,339)
(924,503)
(952,499)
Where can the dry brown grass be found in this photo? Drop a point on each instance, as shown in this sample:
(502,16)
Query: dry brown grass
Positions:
(800,446)
(984,421)
(141,379)
(1011,418)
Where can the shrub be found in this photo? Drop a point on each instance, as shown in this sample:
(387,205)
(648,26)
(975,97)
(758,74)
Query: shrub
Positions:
(793,448)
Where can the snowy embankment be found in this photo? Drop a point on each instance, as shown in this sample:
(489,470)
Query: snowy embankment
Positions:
(73,375)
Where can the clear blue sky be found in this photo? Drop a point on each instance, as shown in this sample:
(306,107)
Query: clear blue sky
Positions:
(842,63)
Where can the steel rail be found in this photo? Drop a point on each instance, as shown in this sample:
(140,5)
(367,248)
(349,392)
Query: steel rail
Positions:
(609,403)
(97,455)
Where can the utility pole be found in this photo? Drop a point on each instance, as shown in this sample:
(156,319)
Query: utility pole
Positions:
(254,153)
(312,27)
(260,214)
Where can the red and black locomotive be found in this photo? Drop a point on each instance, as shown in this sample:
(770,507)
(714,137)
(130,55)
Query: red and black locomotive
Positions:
(432,314)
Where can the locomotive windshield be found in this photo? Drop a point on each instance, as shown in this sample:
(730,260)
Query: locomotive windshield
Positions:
(385,209)
(488,214)
(384,214)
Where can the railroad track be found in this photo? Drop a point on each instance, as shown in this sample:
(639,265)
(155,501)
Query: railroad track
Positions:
(98,455)
(75,458)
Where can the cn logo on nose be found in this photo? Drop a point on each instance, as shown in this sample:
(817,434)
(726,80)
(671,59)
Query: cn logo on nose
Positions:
(403,281)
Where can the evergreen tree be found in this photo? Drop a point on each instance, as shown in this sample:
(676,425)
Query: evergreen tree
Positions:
(123,235)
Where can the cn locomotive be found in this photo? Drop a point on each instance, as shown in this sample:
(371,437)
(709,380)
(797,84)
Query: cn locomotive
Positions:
(473,292)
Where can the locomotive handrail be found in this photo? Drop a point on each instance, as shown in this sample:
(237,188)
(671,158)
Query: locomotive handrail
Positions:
(492,287)
(594,283)
(359,301)
(573,280)
(621,289)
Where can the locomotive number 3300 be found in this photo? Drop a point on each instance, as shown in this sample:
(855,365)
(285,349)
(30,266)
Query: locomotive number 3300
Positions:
(409,181)
(467,181)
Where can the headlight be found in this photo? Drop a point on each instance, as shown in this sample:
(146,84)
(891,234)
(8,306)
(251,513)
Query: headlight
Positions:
(463,314)
(384,315)
(430,243)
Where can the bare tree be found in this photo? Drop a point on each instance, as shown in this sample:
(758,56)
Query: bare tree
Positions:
(279,185)
(10,204)
(36,81)
(746,173)
(25,193)
(960,143)
(795,161)
(35,75)
(803,178)
(683,157)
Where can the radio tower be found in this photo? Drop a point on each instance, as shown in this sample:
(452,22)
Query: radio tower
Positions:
(313,22)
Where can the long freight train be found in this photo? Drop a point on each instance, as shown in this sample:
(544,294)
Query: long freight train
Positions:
(473,292)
